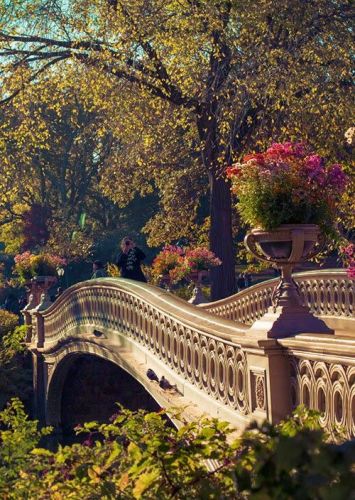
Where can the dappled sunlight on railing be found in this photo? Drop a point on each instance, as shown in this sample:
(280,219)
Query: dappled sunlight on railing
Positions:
(326,292)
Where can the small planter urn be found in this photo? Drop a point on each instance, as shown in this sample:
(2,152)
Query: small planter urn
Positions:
(41,285)
(196,277)
(38,299)
(286,246)
(165,282)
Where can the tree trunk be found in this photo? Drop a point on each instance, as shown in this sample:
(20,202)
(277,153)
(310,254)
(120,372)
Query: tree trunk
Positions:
(221,241)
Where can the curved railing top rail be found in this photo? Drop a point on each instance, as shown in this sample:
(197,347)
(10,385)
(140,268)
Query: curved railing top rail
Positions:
(166,303)
(319,273)
(328,293)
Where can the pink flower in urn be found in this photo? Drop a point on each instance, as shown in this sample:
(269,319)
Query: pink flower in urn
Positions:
(22,257)
(349,250)
(234,170)
(314,171)
(201,258)
(278,149)
(315,162)
(348,257)
(174,249)
(287,184)
(286,149)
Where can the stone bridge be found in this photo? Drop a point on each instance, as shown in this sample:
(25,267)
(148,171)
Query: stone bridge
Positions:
(204,359)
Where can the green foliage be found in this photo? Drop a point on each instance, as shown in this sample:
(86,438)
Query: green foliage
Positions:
(137,455)
(13,343)
(293,460)
(18,437)
(8,321)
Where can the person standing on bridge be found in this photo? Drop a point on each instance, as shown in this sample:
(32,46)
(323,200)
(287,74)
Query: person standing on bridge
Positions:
(98,270)
(129,260)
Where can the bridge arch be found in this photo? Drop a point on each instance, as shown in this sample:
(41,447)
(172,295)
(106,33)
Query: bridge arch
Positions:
(70,369)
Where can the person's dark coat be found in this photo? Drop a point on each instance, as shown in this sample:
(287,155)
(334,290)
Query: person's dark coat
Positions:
(130,264)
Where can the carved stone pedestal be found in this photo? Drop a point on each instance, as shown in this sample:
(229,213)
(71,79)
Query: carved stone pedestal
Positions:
(38,300)
(286,246)
(197,294)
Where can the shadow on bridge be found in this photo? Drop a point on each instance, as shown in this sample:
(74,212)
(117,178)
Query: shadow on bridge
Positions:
(87,387)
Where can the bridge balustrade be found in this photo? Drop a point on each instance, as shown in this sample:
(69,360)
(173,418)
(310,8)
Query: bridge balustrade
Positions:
(328,293)
(215,363)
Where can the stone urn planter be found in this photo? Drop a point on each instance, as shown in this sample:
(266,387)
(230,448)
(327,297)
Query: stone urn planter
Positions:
(38,299)
(39,292)
(286,246)
(196,277)
(165,282)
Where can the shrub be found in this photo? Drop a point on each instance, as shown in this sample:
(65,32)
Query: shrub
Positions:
(15,369)
(13,343)
(137,455)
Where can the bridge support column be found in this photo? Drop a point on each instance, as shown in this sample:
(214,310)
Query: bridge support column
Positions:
(269,385)
(39,387)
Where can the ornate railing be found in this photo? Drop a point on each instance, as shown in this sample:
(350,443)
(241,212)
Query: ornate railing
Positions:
(250,376)
(323,378)
(209,352)
(327,293)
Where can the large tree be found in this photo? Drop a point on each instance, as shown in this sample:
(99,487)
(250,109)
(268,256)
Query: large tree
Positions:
(238,73)
(51,154)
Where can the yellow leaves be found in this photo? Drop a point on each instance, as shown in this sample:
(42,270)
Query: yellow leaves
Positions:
(145,481)
(292,79)
(123,481)
(94,473)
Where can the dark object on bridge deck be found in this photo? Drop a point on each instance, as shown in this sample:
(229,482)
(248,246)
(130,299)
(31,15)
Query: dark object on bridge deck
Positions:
(165,384)
(152,375)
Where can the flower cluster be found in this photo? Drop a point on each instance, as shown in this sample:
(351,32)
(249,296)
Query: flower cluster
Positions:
(348,256)
(28,265)
(201,259)
(177,263)
(287,184)
(167,261)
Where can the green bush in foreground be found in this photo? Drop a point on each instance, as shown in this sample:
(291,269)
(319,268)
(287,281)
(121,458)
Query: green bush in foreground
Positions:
(138,455)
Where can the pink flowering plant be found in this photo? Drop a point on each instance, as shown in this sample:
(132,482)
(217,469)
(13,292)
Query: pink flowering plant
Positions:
(287,184)
(28,265)
(167,262)
(348,256)
(201,259)
(177,263)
